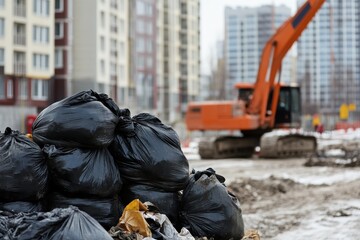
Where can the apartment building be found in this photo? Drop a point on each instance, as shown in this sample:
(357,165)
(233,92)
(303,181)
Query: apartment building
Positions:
(26,59)
(246,32)
(178,56)
(143,51)
(91,47)
(26,52)
(329,58)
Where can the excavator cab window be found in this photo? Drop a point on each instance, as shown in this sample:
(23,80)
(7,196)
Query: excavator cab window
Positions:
(288,110)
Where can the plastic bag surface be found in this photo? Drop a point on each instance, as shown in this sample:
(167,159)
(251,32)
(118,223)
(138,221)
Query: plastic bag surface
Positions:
(151,154)
(16,207)
(59,224)
(23,169)
(83,172)
(106,211)
(86,119)
(166,202)
(208,209)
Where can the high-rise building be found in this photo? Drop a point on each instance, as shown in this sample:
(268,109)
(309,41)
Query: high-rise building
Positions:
(328,59)
(92,47)
(246,32)
(26,56)
(143,49)
(178,56)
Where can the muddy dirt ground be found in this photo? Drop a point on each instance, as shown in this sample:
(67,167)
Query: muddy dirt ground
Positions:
(283,199)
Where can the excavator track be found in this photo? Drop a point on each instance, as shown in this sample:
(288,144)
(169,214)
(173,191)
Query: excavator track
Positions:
(227,147)
(287,145)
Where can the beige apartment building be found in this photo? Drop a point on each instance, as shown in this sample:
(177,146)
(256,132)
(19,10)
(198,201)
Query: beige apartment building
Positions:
(26,60)
(178,59)
(26,52)
(97,36)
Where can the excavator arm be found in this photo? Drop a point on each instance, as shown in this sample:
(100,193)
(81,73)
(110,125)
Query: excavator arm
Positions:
(272,56)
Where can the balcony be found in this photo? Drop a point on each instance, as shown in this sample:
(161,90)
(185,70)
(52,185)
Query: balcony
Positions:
(20,39)
(113,29)
(20,10)
(19,68)
(113,53)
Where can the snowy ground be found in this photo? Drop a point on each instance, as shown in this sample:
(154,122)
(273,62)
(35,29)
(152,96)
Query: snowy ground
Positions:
(285,200)
(292,201)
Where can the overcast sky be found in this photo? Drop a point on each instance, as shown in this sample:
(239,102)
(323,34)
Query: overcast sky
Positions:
(212,22)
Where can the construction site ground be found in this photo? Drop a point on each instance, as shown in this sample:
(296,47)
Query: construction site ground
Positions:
(283,199)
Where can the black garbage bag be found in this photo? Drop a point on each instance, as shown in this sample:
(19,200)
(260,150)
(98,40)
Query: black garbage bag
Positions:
(166,202)
(106,211)
(23,170)
(208,209)
(151,154)
(86,119)
(59,224)
(83,172)
(17,207)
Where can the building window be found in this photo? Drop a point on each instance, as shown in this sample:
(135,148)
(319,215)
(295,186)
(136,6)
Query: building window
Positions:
(102,66)
(113,69)
(23,89)
(59,30)
(149,46)
(149,28)
(42,7)
(113,23)
(41,61)
(122,49)
(140,45)
(59,5)
(2,86)
(140,26)
(140,62)
(113,48)
(122,26)
(149,62)
(122,6)
(2,27)
(2,56)
(102,43)
(39,89)
(10,89)
(102,19)
(41,34)
(140,8)
(113,4)
(122,73)
(148,9)
(58,58)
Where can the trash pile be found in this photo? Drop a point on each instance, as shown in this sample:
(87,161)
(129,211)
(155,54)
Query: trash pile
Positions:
(87,152)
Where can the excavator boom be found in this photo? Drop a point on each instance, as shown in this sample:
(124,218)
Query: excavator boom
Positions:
(273,53)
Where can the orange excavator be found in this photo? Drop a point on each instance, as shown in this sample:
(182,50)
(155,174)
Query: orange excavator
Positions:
(260,107)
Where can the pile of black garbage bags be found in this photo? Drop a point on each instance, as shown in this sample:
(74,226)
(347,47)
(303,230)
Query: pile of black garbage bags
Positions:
(87,159)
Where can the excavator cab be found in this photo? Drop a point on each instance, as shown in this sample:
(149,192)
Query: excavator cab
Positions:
(288,113)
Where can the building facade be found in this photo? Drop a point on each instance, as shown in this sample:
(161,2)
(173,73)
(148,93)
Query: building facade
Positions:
(178,56)
(26,52)
(92,49)
(246,32)
(328,60)
(26,60)
(143,51)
